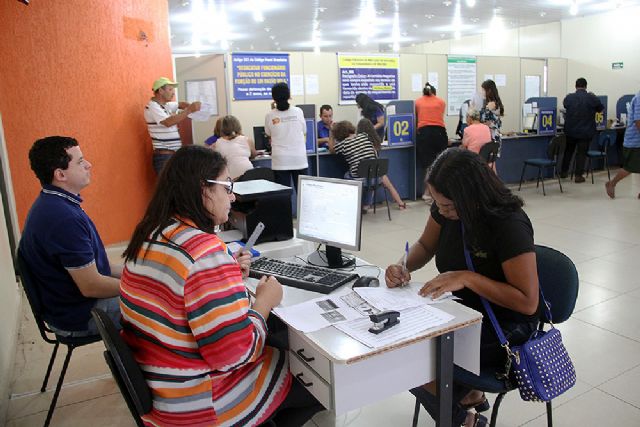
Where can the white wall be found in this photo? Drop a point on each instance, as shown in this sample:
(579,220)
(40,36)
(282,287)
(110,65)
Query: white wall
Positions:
(592,43)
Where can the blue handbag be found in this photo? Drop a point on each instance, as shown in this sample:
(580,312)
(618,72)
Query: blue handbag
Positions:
(541,366)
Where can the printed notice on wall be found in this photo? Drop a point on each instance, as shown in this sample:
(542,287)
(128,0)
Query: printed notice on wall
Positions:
(254,74)
(374,75)
(461,82)
(204,91)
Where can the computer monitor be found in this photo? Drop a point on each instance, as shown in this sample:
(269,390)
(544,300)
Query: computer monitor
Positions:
(529,122)
(329,212)
(261,139)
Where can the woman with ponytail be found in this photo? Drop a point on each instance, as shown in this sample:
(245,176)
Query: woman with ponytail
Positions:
(286,127)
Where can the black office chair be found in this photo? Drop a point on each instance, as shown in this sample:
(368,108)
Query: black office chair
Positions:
(558,277)
(554,150)
(257,173)
(49,336)
(372,170)
(489,152)
(124,368)
(604,140)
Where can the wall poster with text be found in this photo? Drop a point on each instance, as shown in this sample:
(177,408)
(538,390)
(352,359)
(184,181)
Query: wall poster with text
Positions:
(461,82)
(374,75)
(254,74)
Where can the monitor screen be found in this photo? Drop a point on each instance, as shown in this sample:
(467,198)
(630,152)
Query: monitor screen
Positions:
(329,211)
(529,122)
(260,138)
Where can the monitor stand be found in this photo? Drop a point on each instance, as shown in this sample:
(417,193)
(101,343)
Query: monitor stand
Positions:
(332,258)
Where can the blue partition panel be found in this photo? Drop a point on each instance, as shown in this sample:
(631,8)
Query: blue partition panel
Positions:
(402,165)
(601,118)
(514,151)
(621,105)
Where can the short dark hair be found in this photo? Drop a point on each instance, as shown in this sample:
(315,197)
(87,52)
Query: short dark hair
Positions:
(581,83)
(325,107)
(477,193)
(342,130)
(178,194)
(280,93)
(48,154)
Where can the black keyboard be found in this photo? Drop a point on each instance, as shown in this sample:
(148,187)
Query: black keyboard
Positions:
(315,279)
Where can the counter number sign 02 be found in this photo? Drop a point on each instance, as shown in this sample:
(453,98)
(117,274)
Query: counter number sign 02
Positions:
(400,129)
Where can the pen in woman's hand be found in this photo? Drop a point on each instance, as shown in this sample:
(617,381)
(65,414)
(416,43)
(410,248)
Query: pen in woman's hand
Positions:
(404,261)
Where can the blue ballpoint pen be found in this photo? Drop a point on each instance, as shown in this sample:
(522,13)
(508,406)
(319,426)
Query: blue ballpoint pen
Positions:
(406,255)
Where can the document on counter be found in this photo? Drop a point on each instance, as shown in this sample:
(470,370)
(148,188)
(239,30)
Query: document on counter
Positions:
(398,299)
(325,311)
(413,321)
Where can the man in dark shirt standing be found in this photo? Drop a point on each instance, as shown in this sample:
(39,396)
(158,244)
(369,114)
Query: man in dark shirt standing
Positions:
(61,246)
(579,126)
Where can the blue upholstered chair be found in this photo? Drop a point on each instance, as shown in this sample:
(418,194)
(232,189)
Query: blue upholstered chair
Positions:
(554,150)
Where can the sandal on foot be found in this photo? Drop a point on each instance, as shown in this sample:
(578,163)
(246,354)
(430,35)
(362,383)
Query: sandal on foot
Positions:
(402,206)
(480,406)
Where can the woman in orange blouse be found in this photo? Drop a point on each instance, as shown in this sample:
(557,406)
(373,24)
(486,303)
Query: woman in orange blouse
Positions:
(431,138)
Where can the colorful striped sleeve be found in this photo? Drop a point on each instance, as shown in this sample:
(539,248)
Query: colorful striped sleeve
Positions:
(228,334)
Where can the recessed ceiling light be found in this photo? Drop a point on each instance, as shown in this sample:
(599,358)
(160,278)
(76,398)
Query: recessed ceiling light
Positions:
(414,25)
(278,48)
(276,43)
(272,37)
(474,20)
(429,16)
(184,3)
(380,12)
(404,34)
(267,29)
(322,9)
(542,14)
(354,44)
(442,35)
(447,3)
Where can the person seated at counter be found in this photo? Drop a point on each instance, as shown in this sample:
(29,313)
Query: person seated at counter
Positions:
(355,148)
(365,126)
(476,134)
(236,148)
(216,134)
(324,126)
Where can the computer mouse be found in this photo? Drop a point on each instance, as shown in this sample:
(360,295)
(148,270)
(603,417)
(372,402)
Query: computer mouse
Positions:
(366,281)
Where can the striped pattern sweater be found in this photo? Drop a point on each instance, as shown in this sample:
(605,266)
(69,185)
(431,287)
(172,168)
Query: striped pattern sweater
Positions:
(186,316)
(355,149)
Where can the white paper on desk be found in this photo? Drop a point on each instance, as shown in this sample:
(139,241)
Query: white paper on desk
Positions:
(399,299)
(413,321)
(325,311)
(202,115)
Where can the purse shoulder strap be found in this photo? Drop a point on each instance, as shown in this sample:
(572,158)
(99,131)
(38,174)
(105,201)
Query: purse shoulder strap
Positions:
(486,304)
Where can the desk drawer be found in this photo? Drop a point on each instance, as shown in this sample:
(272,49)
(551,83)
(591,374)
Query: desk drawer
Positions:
(313,358)
(310,380)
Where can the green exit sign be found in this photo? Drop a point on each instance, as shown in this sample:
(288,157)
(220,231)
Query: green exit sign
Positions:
(616,65)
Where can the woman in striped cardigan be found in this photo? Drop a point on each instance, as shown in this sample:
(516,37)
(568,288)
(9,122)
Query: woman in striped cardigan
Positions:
(186,314)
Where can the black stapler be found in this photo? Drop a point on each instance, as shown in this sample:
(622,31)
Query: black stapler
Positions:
(383,321)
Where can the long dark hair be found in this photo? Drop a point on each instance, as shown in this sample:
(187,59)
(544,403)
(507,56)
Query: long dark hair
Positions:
(369,107)
(491,92)
(281,94)
(178,194)
(429,90)
(365,126)
(477,193)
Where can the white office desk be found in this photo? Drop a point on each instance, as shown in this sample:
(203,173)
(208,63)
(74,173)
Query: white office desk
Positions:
(344,374)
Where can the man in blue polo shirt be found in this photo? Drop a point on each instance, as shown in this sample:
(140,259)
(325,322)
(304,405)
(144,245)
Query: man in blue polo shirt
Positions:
(60,243)
(324,126)
(630,147)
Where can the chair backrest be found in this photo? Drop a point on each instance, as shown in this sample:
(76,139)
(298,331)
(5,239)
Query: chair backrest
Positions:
(489,152)
(558,278)
(257,173)
(123,366)
(556,146)
(604,140)
(33,296)
(373,168)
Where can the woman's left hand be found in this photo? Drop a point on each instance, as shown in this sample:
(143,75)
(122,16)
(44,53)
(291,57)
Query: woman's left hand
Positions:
(444,282)
(244,260)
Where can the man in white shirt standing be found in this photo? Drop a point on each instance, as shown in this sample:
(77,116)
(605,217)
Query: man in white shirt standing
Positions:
(162,116)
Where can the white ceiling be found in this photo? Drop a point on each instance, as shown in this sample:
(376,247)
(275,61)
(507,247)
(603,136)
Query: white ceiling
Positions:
(288,25)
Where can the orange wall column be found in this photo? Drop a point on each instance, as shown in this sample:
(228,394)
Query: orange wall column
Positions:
(84,69)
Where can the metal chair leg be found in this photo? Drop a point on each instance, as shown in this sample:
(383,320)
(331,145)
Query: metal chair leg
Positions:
(549,414)
(591,170)
(555,172)
(496,407)
(416,413)
(542,181)
(386,198)
(56,393)
(46,376)
(524,166)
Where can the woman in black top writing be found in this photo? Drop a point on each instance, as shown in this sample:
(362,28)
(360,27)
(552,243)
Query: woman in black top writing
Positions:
(499,237)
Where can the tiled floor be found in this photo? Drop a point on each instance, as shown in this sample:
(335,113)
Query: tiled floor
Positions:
(601,236)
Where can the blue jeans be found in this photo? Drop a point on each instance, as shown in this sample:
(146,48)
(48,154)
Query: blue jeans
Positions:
(159,160)
(367,196)
(111,306)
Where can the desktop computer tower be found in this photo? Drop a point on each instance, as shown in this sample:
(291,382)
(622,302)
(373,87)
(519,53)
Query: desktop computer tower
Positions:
(272,208)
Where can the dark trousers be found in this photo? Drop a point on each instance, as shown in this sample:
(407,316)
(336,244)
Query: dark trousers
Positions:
(159,160)
(580,146)
(285,177)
